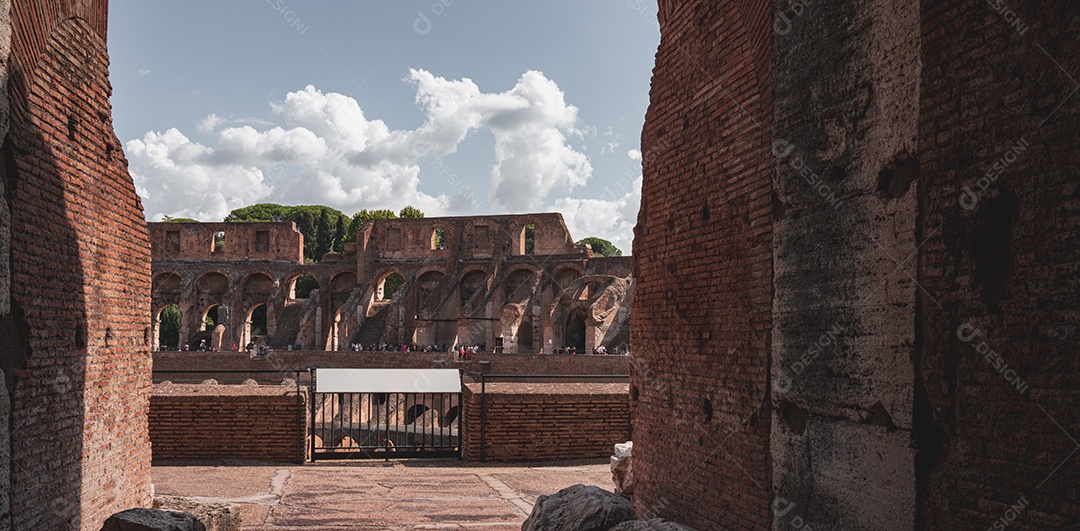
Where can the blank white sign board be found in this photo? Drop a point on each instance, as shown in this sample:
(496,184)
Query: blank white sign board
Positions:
(387,381)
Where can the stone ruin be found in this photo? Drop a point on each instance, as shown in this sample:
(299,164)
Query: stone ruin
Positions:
(467,281)
(854,253)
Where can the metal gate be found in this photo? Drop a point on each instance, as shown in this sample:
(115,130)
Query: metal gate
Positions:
(385,413)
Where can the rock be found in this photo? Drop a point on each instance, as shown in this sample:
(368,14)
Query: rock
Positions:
(656,524)
(215,516)
(622,468)
(579,508)
(152,520)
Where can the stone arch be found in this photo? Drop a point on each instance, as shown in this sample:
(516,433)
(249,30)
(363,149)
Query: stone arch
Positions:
(384,291)
(157,339)
(472,281)
(574,329)
(294,279)
(515,287)
(342,284)
(248,332)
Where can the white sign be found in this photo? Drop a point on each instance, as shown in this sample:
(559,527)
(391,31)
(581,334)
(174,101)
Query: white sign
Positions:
(387,381)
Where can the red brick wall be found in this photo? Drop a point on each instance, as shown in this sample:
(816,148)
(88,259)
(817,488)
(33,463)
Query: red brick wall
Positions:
(287,361)
(1002,263)
(75,343)
(538,422)
(221,422)
(703,252)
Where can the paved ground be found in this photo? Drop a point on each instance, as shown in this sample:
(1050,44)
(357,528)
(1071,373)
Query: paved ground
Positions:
(397,495)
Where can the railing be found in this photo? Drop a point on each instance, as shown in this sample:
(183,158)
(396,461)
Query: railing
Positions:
(350,423)
(483,378)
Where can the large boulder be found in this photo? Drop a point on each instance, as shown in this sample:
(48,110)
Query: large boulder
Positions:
(656,524)
(579,508)
(152,520)
(215,516)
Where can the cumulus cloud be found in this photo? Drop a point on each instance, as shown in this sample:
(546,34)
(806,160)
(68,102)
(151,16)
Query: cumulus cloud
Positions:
(328,152)
(611,217)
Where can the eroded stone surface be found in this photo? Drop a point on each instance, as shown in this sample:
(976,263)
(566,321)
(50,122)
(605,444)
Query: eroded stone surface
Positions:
(579,508)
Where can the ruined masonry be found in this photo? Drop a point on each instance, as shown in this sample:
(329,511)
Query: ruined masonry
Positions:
(857,270)
(467,280)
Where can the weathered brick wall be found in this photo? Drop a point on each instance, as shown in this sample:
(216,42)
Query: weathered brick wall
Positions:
(538,422)
(225,421)
(291,360)
(845,77)
(703,253)
(998,383)
(921,221)
(74,334)
(242,241)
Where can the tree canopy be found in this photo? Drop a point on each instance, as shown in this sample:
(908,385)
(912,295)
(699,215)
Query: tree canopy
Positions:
(306,217)
(601,247)
(410,211)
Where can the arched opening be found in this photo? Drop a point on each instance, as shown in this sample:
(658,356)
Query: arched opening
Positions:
(574,331)
(254,325)
(217,244)
(517,286)
(167,328)
(414,413)
(300,287)
(451,416)
(210,317)
(438,239)
(388,286)
(471,283)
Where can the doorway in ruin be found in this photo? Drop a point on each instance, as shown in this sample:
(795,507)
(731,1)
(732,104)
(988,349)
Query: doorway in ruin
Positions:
(167,328)
(388,286)
(574,331)
(254,325)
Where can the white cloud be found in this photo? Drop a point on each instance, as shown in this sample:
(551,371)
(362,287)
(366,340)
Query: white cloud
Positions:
(144,71)
(612,218)
(328,152)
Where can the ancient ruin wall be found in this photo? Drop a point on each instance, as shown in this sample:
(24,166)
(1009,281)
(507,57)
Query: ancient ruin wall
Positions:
(846,80)
(242,241)
(703,254)
(75,339)
(923,199)
(998,379)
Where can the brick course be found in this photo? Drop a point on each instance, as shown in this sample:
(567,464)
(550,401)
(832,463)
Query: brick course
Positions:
(544,422)
(221,422)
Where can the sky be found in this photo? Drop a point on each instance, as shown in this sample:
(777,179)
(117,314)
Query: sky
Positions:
(458,108)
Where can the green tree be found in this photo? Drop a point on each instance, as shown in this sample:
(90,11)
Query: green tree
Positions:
(180,220)
(169,329)
(324,236)
(339,235)
(306,218)
(410,211)
(601,247)
(358,221)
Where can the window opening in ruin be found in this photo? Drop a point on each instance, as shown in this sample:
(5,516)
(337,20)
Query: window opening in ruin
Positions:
(172,241)
(210,320)
(302,286)
(529,239)
(438,239)
(262,241)
(389,286)
(219,242)
(168,325)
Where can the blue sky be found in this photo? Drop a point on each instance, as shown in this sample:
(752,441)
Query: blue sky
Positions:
(456,107)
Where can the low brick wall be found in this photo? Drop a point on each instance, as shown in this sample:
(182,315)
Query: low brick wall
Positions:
(287,361)
(546,421)
(224,421)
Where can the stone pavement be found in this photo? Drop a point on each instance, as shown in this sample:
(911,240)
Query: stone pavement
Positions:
(396,495)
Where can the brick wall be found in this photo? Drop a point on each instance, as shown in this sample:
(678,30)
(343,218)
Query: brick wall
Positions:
(703,265)
(292,360)
(538,422)
(74,348)
(224,421)
(999,384)
(876,319)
